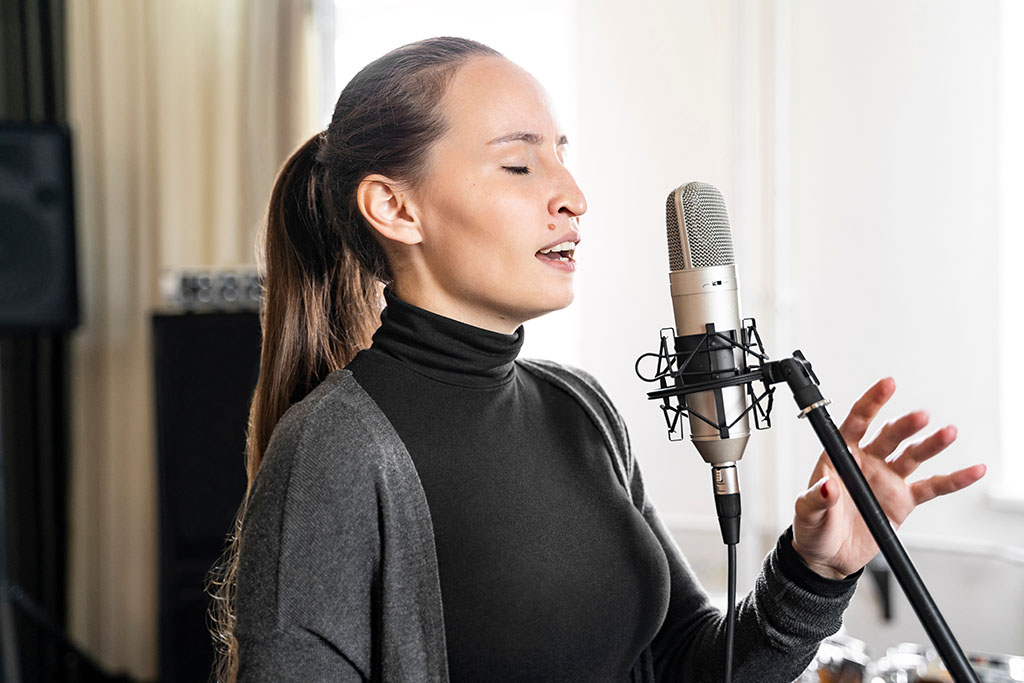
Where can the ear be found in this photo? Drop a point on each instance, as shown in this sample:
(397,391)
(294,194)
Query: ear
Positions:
(385,207)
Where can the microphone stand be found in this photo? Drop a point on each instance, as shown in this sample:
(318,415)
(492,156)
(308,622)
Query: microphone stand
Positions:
(797,373)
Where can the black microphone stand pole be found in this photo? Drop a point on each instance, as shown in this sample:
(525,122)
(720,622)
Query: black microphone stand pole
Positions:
(797,373)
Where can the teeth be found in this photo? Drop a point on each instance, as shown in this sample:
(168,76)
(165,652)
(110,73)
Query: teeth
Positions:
(564,246)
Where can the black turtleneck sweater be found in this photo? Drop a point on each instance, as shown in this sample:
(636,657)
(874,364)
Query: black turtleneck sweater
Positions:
(547,571)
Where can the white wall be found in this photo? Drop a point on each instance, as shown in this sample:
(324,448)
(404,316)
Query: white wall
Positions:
(894,219)
(894,232)
(856,147)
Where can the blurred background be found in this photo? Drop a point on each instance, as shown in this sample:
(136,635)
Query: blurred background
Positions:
(871,155)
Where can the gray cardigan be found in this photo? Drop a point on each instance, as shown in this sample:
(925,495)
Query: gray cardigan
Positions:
(338,579)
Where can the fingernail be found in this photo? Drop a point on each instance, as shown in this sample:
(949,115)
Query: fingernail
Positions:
(823,487)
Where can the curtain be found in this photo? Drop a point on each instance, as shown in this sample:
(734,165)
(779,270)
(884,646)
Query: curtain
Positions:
(182,113)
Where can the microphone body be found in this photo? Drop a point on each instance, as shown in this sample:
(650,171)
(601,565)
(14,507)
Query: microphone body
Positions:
(705,291)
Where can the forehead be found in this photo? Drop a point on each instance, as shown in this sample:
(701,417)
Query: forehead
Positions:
(491,96)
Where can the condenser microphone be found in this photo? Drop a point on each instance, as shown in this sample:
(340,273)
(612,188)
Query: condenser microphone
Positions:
(705,303)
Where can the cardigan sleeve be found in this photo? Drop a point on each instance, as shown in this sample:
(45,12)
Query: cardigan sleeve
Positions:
(294,656)
(308,559)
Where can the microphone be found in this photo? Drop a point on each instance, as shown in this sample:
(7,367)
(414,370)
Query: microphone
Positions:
(710,337)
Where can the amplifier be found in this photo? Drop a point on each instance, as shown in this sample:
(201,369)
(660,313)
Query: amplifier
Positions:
(206,290)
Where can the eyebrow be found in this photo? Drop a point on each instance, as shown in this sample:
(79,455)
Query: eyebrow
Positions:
(527,137)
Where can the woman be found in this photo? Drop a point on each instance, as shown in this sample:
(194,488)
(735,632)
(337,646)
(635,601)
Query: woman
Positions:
(422,504)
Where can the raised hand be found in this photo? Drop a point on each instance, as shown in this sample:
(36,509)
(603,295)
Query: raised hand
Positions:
(828,531)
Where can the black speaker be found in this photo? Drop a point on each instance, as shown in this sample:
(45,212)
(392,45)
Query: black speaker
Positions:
(38,275)
(206,368)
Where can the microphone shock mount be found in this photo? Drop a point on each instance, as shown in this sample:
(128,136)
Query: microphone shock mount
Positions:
(706,362)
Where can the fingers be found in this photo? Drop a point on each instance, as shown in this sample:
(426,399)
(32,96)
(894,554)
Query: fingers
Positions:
(909,460)
(940,485)
(865,409)
(813,503)
(894,433)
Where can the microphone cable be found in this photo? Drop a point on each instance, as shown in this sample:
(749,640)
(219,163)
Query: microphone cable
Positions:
(729,508)
(730,614)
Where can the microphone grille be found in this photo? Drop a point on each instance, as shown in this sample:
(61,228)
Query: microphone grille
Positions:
(706,224)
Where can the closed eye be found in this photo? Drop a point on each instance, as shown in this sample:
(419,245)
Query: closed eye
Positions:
(517,170)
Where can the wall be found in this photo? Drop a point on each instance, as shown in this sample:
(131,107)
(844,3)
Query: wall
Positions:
(856,147)
(894,231)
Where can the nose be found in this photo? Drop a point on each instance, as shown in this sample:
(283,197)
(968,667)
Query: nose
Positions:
(568,199)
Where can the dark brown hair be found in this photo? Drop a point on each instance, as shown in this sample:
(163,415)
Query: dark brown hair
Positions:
(324,267)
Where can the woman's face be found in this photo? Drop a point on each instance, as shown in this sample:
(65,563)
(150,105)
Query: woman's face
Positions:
(496,195)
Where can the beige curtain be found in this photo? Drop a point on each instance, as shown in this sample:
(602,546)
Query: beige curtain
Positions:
(182,112)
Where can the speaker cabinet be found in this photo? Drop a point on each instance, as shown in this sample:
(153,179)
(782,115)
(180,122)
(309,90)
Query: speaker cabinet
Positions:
(38,276)
(206,368)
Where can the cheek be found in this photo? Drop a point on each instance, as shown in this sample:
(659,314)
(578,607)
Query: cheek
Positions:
(480,221)
(482,225)
(446,215)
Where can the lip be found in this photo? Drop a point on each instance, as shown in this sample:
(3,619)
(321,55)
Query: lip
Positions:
(567,266)
(567,237)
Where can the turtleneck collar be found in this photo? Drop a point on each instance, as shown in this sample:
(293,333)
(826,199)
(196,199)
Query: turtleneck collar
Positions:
(445,349)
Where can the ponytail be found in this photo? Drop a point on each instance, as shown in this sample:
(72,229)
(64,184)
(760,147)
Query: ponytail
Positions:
(322,303)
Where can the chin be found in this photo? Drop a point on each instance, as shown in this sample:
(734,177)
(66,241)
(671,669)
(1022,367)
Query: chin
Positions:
(556,301)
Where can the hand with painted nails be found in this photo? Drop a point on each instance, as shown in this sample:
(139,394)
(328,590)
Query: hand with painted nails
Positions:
(828,531)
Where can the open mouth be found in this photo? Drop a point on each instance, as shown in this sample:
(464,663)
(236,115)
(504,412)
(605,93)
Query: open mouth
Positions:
(560,252)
